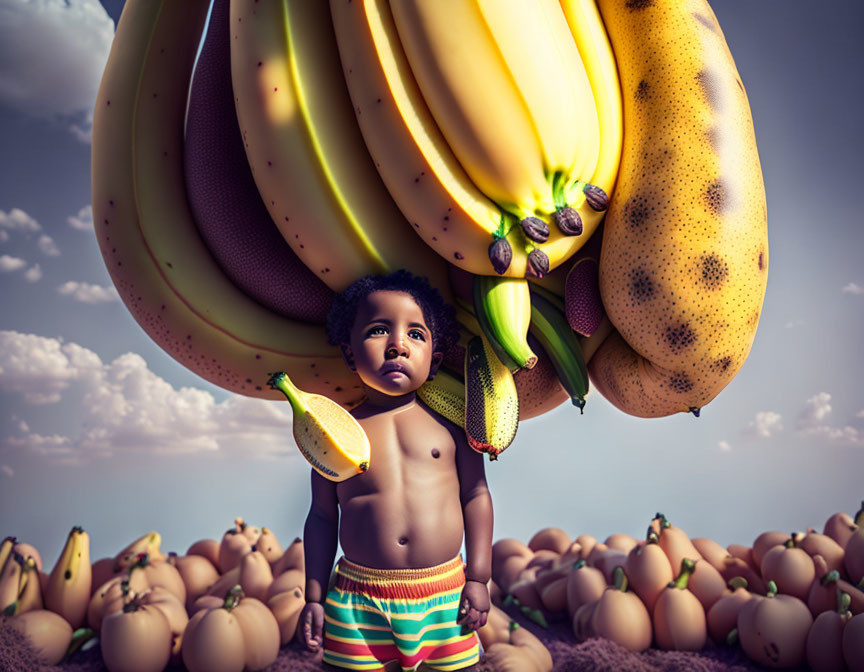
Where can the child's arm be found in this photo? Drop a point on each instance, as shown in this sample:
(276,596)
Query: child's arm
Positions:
(477,514)
(320,537)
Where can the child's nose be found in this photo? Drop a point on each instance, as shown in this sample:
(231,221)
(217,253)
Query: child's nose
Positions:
(396,346)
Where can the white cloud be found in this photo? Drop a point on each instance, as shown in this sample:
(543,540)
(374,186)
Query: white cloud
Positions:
(4,235)
(813,420)
(6,469)
(83,221)
(87,293)
(724,446)
(52,54)
(10,264)
(815,410)
(765,425)
(852,288)
(18,220)
(33,274)
(125,407)
(48,246)
(791,324)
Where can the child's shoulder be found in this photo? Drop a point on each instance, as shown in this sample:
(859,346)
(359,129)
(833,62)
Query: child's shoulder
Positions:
(451,426)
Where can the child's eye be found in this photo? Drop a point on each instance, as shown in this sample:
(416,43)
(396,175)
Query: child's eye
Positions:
(416,333)
(377,329)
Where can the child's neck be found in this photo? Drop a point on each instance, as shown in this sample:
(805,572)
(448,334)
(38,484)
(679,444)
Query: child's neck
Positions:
(378,402)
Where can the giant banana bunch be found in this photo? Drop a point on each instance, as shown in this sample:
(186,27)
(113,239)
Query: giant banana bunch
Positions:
(327,141)
(483,124)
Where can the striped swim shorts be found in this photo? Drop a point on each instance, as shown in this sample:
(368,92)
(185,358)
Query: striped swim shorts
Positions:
(372,616)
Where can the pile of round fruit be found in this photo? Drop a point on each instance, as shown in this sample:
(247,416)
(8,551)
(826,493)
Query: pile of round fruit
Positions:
(787,600)
(150,610)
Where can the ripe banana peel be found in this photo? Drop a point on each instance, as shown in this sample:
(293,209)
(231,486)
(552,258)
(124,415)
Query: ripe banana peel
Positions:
(499,133)
(68,589)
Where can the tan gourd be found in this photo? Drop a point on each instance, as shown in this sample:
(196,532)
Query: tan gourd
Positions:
(255,575)
(286,607)
(825,639)
(585,585)
(648,570)
(582,620)
(729,565)
(674,542)
(707,584)
(840,527)
(587,542)
(621,542)
(823,590)
(103,570)
(292,558)
(551,539)
(722,617)
(543,558)
(242,632)
(853,643)
(206,548)
(853,559)
(175,613)
(554,596)
(269,545)
(293,578)
(197,572)
(110,596)
(234,545)
(679,618)
(744,553)
(49,633)
(619,615)
(814,544)
(790,568)
(765,542)
(136,639)
(773,629)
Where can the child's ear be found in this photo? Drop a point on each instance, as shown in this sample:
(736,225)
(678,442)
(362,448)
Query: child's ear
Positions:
(348,356)
(437,359)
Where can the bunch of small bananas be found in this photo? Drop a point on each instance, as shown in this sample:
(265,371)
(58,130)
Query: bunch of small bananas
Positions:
(481,144)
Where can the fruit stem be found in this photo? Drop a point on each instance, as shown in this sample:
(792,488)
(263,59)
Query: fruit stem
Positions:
(844,600)
(651,537)
(620,579)
(579,564)
(233,597)
(281,381)
(738,582)
(687,567)
(772,589)
(559,198)
(732,637)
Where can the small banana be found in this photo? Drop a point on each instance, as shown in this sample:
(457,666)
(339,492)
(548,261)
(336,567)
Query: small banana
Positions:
(503,309)
(68,590)
(328,436)
(445,394)
(549,326)
(10,583)
(149,544)
(491,401)
(6,549)
(30,593)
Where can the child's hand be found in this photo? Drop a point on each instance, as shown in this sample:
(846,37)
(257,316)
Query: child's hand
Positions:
(473,605)
(312,623)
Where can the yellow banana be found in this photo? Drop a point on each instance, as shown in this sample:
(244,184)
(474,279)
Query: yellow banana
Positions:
(148,238)
(305,150)
(10,583)
(445,394)
(328,436)
(149,544)
(6,549)
(410,77)
(685,313)
(491,401)
(30,593)
(68,589)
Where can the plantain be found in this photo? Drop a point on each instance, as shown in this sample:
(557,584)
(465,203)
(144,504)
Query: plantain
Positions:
(68,589)
(328,436)
(684,261)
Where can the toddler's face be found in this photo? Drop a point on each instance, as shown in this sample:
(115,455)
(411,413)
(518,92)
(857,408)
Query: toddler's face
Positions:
(391,346)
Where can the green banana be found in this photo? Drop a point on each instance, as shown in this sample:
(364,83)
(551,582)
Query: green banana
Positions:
(502,306)
(491,400)
(549,325)
(328,436)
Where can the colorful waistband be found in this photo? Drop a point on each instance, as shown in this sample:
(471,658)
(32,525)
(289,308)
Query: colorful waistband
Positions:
(400,583)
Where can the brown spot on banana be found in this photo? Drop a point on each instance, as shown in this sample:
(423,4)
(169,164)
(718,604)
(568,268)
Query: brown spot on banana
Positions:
(684,260)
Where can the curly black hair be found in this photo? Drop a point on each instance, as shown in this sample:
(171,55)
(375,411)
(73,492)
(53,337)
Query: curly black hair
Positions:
(439,315)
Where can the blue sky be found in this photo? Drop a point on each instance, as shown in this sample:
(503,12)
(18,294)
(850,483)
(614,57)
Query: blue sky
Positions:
(100,428)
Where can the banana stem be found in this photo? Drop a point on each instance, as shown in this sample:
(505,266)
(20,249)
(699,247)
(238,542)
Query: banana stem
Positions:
(282,382)
(844,600)
(687,567)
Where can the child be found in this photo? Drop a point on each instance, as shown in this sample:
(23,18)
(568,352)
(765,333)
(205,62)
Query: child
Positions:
(401,590)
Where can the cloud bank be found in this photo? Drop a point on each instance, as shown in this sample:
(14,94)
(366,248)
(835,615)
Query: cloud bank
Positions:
(126,408)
